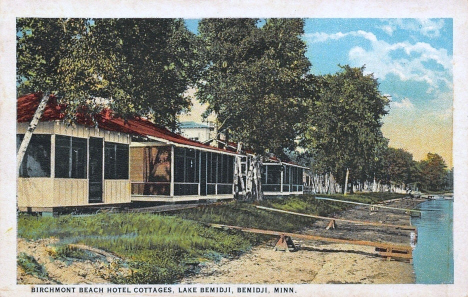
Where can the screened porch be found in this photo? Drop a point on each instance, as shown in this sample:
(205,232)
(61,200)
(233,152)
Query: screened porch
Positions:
(161,172)
(282,179)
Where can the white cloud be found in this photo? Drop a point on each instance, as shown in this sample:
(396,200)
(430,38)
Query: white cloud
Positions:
(403,59)
(406,60)
(426,27)
(404,104)
(388,29)
(322,37)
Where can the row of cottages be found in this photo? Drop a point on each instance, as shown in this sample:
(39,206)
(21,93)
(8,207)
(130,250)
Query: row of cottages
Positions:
(278,177)
(116,161)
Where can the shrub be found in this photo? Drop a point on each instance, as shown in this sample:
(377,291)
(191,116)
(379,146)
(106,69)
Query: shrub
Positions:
(31,266)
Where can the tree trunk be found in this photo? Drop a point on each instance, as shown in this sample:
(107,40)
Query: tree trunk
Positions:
(346,181)
(257,193)
(27,136)
(238,178)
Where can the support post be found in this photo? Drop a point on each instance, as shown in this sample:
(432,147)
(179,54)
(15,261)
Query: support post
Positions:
(171,190)
(331,225)
(285,244)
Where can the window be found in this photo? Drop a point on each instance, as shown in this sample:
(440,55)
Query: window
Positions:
(70,157)
(116,161)
(286,170)
(212,168)
(274,175)
(230,169)
(36,161)
(185,165)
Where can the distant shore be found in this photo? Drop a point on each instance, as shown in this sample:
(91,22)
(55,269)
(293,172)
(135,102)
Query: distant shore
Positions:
(324,263)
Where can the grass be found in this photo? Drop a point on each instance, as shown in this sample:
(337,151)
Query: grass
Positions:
(158,249)
(31,266)
(247,215)
(164,248)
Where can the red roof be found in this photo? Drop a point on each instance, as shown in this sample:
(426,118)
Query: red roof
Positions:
(27,105)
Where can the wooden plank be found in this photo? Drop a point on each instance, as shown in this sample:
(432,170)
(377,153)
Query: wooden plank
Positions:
(366,204)
(403,227)
(396,255)
(381,245)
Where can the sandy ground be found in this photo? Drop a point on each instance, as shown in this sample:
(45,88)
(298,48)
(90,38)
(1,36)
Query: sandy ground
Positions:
(63,271)
(318,264)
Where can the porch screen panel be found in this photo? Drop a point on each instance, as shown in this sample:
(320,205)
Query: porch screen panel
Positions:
(286,178)
(116,160)
(151,170)
(230,169)
(70,157)
(186,173)
(224,183)
(36,161)
(273,178)
(179,164)
(220,173)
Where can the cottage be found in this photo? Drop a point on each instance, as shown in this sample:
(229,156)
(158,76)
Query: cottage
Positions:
(278,178)
(118,161)
(70,166)
(113,161)
(282,178)
(167,167)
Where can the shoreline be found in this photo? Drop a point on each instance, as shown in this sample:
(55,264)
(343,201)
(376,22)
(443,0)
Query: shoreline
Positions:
(320,262)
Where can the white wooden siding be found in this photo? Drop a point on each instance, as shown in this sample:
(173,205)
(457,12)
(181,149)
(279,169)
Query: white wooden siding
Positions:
(35,192)
(116,191)
(58,192)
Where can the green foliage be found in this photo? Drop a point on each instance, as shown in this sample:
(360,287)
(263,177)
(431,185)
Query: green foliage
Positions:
(343,129)
(31,266)
(141,66)
(398,166)
(433,172)
(67,251)
(254,81)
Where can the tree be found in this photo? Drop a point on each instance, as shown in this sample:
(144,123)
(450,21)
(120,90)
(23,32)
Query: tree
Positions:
(254,80)
(399,167)
(433,172)
(133,66)
(254,83)
(156,62)
(343,128)
(138,66)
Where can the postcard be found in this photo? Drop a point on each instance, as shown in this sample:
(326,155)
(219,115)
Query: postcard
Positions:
(237,148)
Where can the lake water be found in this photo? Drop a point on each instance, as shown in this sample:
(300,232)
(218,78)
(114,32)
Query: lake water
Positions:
(433,255)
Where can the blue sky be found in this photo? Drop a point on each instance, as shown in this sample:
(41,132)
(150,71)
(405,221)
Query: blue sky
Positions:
(412,60)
